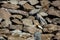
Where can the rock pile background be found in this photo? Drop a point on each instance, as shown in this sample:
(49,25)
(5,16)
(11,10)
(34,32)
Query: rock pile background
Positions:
(29,19)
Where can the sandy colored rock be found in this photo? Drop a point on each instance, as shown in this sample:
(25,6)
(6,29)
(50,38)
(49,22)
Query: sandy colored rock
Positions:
(34,11)
(45,4)
(4,14)
(46,36)
(31,17)
(17,21)
(33,2)
(56,20)
(27,22)
(17,16)
(31,29)
(16,27)
(25,35)
(50,28)
(24,13)
(43,14)
(57,36)
(15,38)
(56,3)
(49,20)
(30,38)
(11,6)
(14,1)
(36,22)
(4,31)
(53,12)
(22,2)
(28,6)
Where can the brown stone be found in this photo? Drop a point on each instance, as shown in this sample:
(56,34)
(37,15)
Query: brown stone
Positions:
(57,36)
(56,20)
(4,31)
(16,27)
(17,21)
(4,14)
(56,3)
(50,28)
(31,29)
(17,16)
(45,4)
(12,6)
(31,17)
(46,36)
(33,2)
(28,6)
(18,12)
(27,22)
(36,22)
(53,12)
(15,38)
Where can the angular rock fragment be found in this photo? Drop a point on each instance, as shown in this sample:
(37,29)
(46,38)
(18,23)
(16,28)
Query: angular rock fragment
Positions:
(16,27)
(31,29)
(4,14)
(17,16)
(41,19)
(22,2)
(17,21)
(50,28)
(53,12)
(36,22)
(28,6)
(33,2)
(31,17)
(57,36)
(6,23)
(14,1)
(1,38)
(10,6)
(20,34)
(37,36)
(56,4)
(43,14)
(16,32)
(15,38)
(56,20)
(30,38)
(27,22)
(4,31)
(45,4)
(34,11)
(18,12)
(46,36)
(49,20)
(25,35)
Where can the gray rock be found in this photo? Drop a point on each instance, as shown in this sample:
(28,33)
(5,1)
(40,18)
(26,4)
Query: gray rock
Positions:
(34,11)
(33,2)
(37,36)
(43,14)
(1,38)
(41,19)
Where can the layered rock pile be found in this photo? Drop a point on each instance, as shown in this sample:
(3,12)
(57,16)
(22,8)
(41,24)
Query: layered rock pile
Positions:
(30,20)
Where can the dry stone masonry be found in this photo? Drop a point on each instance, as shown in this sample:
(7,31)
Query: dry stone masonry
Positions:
(29,19)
